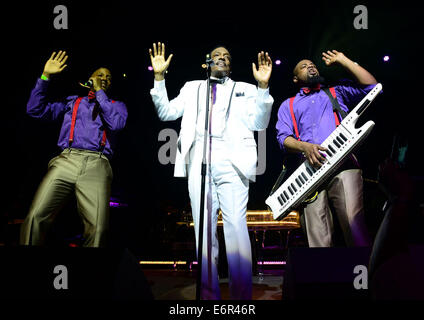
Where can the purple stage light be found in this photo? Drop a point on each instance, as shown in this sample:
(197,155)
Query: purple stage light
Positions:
(114,204)
(150,68)
(278,62)
(271,263)
(386,58)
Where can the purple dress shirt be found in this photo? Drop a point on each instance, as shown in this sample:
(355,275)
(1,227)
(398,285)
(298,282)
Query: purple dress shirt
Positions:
(88,132)
(314,112)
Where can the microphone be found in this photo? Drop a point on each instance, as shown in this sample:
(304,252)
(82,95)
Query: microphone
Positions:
(87,84)
(209,62)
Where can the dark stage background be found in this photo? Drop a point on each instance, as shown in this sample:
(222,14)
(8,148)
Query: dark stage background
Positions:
(118,34)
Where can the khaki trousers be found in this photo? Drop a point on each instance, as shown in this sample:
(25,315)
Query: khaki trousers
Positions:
(88,175)
(343,197)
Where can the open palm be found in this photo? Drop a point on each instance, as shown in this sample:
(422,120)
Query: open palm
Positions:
(56,63)
(157,58)
(333,56)
(262,74)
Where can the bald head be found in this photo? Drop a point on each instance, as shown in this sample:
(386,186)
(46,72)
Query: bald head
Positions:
(303,62)
(304,72)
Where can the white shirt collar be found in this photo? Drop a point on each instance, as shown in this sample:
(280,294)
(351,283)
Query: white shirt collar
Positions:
(226,79)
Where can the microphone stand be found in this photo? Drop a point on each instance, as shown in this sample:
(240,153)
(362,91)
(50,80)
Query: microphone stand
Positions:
(203,184)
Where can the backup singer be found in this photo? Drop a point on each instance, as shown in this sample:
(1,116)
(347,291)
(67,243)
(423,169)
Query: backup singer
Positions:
(236,110)
(86,138)
(315,119)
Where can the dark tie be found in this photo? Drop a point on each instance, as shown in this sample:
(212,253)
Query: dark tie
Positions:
(220,81)
(213,93)
(96,109)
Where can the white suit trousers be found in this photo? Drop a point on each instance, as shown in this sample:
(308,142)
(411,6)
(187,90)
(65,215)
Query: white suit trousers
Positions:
(228,190)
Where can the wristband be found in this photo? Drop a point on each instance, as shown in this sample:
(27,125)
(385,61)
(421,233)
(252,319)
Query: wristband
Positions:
(43,77)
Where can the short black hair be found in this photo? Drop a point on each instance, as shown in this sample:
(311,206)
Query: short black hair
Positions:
(100,67)
(297,62)
(221,45)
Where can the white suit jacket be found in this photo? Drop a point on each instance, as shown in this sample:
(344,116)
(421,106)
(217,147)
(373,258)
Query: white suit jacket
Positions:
(249,110)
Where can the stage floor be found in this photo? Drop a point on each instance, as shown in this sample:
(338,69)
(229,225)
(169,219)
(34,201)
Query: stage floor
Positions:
(169,284)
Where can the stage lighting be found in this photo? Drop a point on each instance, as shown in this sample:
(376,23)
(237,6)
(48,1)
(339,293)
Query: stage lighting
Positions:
(386,58)
(277,62)
(150,68)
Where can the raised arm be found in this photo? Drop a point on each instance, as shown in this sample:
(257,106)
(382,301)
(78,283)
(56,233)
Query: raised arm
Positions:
(264,70)
(38,106)
(159,64)
(361,75)
(260,101)
(166,110)
(56,64)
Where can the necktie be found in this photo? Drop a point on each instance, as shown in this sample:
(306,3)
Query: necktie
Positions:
(96,108)
(216,80)
(213,93)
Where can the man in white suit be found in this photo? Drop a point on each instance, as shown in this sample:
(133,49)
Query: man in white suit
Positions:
(237,109)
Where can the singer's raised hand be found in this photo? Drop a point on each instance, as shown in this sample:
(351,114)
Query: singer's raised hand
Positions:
(333,56)
(263,72)
(159,64)
(55,64)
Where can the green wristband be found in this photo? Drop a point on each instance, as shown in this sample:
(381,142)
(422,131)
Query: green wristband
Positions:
(43,77)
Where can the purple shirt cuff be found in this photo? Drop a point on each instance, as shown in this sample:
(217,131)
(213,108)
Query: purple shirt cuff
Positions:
(101,96)
(42,84)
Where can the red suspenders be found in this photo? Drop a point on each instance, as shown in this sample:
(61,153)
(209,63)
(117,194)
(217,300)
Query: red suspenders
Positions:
(296,131)
(74,117)
(336,118)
